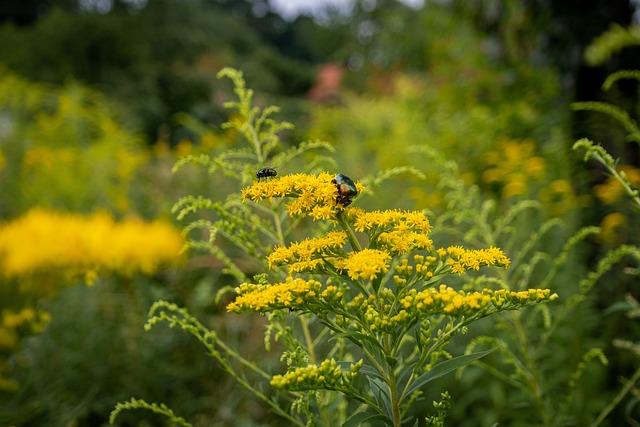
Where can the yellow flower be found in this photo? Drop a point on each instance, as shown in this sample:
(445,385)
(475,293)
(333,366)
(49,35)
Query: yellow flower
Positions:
(446,300)
(392,219)
(461,260)
(328,375)
(612,190)
(308,254)
(394,230)
(515,166)
(262,298)
(612,225)
(313,195)
(12,322)
(366,264)
(43,241)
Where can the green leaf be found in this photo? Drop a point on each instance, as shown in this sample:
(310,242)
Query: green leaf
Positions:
(444,368)
(392,361)
(404,373)
(369,370)
(359,418)
(380,385)
(381,393)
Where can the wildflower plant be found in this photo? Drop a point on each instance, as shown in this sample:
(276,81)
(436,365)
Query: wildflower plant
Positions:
(533,343)
(623,181)
(363,301)
(525,339)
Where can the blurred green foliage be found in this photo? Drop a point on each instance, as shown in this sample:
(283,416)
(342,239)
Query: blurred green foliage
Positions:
(159,60)
(475,111)
(63,148)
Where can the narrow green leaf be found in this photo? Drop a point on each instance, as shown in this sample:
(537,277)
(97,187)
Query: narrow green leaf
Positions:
(392,361)
(403,375)
(368,370)
(382,394)
(380,386)
(444,368)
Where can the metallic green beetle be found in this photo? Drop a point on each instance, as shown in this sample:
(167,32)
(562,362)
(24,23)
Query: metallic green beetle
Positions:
(265,173)
(346,189)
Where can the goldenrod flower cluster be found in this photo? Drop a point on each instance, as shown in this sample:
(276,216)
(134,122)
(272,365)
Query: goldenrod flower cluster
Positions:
(446,300)
(461,260)
(377,313)
(397,231)
(44,241)
(312,195)
(325,254)
(425,268)
(366,264)
(327,376)
(309,255)
(381,315)
(363,302)
(293,293)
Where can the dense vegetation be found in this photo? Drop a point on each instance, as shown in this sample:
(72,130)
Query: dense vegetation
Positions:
(466,112)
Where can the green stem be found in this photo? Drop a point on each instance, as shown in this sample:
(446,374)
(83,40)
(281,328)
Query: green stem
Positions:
(252,135)
(614,403)
(276,221)
(423,358)
(203,335)
(308,339)
(624,182)
(353,241)
(393,388)
(531,368)
(395,402)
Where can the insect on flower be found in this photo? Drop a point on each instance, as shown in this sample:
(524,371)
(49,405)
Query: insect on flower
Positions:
(346,189)
(265,173)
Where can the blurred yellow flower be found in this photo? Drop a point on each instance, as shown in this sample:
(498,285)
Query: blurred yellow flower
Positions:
(27,319)
(611,226)
(43,241)
(184,148)
(611,190)
(514,165)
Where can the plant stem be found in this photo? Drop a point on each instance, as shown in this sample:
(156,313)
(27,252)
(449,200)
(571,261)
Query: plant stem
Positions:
(614,403)
(307,337)
(353,241)
(277,223)
(395,402)
(624,182)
